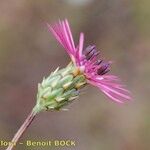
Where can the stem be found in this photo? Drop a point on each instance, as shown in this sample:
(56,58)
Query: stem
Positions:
(22,129)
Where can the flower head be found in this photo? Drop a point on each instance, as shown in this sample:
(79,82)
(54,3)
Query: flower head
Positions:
(89,64)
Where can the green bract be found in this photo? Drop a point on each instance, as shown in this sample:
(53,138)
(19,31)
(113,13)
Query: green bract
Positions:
(60,88)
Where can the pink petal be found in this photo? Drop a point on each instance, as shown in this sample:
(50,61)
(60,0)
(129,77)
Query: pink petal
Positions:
(113,90)
(81,41)
(62,33)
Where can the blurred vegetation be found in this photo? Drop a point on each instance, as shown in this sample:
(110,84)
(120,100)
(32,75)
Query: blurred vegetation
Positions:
(119,28)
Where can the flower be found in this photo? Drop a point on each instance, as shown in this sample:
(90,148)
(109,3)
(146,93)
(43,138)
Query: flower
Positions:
(86,60)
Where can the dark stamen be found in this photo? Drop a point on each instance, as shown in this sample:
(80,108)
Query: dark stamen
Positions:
(89,49)
(89,56)
(98,62)
(104,72)
(90,52)
(103,69)
(97,53)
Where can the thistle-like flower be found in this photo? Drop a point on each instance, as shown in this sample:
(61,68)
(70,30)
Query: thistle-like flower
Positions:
(64,85)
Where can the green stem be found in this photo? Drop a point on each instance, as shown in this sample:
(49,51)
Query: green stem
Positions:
(22,129)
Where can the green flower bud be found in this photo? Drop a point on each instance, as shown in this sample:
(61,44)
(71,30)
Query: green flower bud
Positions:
(60,88)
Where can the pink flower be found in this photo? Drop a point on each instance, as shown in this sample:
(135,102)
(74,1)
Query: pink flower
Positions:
(86,59)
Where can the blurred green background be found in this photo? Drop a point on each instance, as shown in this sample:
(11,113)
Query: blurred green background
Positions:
(119,28)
